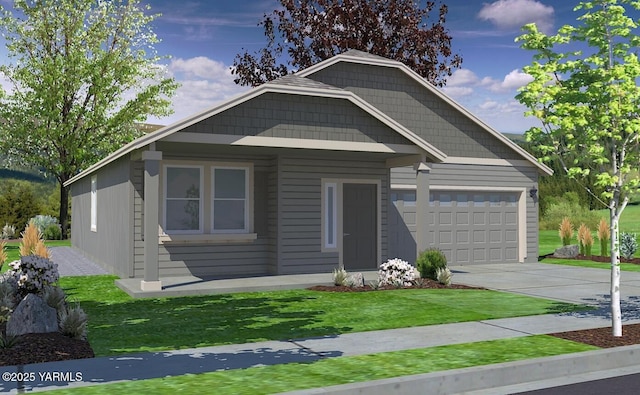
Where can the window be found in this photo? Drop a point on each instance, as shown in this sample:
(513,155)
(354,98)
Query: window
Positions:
(183,199)
(94,203)
(330,221)
(230,205)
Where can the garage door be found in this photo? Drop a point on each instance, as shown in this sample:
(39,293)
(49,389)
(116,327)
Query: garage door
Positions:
(475,227)
(469,227)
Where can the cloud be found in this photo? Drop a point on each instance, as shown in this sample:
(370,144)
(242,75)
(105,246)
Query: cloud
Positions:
(457,91)
(203,82)
(462,77)
(512,81)
(513,14)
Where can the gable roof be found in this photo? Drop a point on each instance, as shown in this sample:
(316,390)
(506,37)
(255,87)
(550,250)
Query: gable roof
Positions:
(356,56)
(298,84)
(290,84)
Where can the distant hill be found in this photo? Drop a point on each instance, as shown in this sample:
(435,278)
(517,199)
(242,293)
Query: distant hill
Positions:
(515,137)
(22,175)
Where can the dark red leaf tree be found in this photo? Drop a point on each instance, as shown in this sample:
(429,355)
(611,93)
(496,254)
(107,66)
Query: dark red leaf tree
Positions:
(310,31)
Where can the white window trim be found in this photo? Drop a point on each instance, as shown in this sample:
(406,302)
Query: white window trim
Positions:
(200,229)
(329,216)
(247,205)
(94,203)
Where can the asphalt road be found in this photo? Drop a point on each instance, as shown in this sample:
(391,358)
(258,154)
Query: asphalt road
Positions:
(621,385)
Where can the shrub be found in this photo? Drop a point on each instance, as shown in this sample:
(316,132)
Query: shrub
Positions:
(444,276)
(54,297)
(429,261)
(8,232)
(628,245)
(73,322)
(396,272)
(52,232)
(566,231)
(34,271)
(42,222)
(575,212)
(355,280)
(340,276)
(604,235)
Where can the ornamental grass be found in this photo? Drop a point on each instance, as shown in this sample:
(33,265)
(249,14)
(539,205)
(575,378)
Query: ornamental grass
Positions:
(32,243)
(604,235)
(566,231)
(585,240)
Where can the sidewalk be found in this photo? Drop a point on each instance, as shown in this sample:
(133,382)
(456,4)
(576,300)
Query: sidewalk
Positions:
(551,281)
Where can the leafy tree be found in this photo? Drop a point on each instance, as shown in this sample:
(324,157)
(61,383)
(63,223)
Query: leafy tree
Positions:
(18,203)
(585,92)
(314,30)
(83,72)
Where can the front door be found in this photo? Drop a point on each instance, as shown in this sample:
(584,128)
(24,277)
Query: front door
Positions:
(360,227)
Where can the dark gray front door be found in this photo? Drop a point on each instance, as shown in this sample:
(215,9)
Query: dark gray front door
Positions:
(360,227)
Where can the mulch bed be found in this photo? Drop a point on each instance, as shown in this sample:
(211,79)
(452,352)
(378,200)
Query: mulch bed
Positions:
(601,337)
(44,347)
(426,283)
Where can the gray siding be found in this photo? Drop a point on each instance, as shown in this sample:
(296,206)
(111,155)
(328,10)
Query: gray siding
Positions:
(487,177)
(300,210)
(110,244)
(403,99)
(303,117)
(213,259)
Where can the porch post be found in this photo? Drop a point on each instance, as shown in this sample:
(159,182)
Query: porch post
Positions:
(422,206)
(151,280)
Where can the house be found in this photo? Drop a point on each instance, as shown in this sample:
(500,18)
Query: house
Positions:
(349,162)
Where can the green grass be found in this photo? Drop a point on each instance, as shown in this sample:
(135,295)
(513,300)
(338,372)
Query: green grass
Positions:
(343,370)
(627,267)
(120,324)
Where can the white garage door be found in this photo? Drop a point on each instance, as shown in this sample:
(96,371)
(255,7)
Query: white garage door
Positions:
(470,227)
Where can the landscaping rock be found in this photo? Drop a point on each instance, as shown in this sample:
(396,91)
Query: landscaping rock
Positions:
(32,315)
(566,252)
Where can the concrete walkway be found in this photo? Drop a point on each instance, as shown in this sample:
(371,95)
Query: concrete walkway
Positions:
(555,282)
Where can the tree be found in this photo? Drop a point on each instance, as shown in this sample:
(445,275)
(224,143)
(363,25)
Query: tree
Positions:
(587,98)
(83,73)
(315,30)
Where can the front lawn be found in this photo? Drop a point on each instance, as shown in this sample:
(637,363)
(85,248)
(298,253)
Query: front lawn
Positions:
(13,250)
(342,370)
(121,324)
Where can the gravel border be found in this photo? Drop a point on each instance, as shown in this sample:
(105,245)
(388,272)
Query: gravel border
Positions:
(72,262)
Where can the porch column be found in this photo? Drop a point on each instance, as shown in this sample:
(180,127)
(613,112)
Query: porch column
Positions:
(422,206)
(151,280)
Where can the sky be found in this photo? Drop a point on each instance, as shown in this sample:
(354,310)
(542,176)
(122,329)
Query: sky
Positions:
(202,37)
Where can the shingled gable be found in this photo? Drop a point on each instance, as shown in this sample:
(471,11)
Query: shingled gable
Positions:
(290,84)
(364,58)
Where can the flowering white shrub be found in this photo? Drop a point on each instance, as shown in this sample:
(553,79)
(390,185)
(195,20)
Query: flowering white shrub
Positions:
(355,280)
(396,272)
(444,276)
(32,273)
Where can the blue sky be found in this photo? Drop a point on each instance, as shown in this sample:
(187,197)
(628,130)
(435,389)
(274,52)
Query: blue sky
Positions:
(202,38)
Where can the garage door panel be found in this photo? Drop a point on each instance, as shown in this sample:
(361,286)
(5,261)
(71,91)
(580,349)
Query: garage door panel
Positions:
(495,236)
(495,218)
(445,218)
(479,236)
(462,236)
(462,218)
(445,237)
(479,218)
(511,219)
